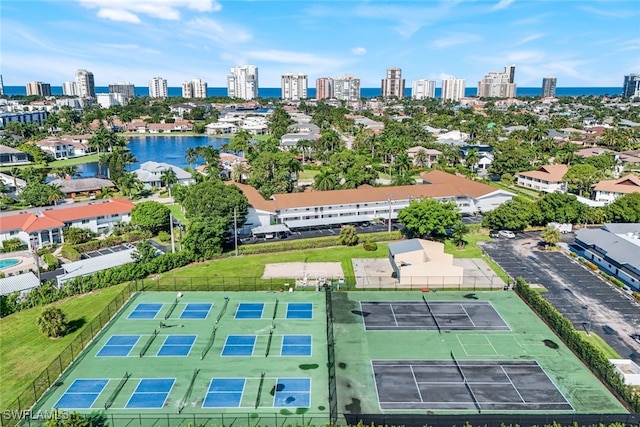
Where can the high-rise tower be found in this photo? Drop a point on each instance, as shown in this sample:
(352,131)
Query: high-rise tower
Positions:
(452,89)
(549,87)
(243,82)
(294,87)
(631,86)
(498,84)
(85,85)
(393,84)
(158,87)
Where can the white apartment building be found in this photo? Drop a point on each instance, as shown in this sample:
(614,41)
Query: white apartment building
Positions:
(294,87)
(498,84)
(127,90)
(69,89)
(452,89)
(242,82)
(347,88)
(393,84)
(107,100)
(158,87)
(85,84)
(423,88)
(195,88)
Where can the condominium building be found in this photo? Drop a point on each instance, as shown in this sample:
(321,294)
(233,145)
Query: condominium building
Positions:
(242,82)
(393,84)
(346,88)
(107,100)
(158,87)
(1,86)
(631,87)
(38,89)
(423,88)
(85,85)
(69,89)
(549,87)
(294,87)
(497,84)
(452,89)
(127,90)
(195,88)
(324,88)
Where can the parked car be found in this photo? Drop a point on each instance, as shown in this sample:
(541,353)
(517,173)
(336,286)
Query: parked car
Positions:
(506,233)
(494,234)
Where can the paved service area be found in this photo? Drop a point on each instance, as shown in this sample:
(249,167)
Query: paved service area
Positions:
(582,296)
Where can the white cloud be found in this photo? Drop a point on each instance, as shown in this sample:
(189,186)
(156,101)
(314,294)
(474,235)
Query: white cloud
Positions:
(226,34)
(130,10)
(287,57)
(502,4)
(531,38)
(359,51)
(455,39)
(608,12)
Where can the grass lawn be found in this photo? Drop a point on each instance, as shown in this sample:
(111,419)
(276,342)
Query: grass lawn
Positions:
(530,194)
(600,344)
(25,352)
(470,250)
(307,174)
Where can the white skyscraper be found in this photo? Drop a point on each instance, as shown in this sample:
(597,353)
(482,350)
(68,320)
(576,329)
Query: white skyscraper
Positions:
(423,88)
(452,89)
(1,86)
(346,88)
(243,82)
(158,87)
(195,88)
(85,85)
(69,89)
(498,84)
(294,87)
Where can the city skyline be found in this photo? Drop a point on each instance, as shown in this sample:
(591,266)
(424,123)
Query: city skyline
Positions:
(582,44)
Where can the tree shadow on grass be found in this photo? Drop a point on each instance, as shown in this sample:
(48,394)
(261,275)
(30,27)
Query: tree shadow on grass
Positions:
(75,325)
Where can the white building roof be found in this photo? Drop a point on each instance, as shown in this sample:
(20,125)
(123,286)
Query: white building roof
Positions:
(19,283)
(93,265)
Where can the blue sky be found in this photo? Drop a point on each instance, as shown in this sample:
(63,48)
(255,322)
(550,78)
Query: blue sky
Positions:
(582,43)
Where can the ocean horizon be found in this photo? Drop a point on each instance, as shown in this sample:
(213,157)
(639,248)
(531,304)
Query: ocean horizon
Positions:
(371,92)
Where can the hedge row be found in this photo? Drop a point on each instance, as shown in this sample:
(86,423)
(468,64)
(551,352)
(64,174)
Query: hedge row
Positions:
(591,355)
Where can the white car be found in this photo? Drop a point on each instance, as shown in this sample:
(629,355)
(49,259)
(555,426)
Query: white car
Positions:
(506,233)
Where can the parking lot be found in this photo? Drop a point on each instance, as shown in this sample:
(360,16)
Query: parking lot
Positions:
(582,296)
(332,230)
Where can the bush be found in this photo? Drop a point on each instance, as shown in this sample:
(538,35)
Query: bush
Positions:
(592,266)
(164,237)
(370,246)
(51,261)
(53,322)
(69,252)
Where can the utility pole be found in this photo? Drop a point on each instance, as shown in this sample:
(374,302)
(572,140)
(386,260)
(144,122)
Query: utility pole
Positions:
(235,229)
(173,240)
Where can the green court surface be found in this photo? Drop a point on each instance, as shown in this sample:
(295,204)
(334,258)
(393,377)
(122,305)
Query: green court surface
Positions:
(182,376)
(551,379)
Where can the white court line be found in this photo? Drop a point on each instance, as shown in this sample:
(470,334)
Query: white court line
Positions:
(415,380)
(512,384)
(467,313)
(491,344)
(394,314)
(464,348)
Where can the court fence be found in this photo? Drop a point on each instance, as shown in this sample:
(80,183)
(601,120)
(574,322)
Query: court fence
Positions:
(331,360)
(20,407)
(347,283)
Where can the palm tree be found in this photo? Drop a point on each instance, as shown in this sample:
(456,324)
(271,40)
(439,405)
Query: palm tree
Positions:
(325,180)
(106,193)
(127,158)
(237,172)
(472,159)
(191,155)
(55,194)
(53,322)
(70,171)
(129,182)
(458,231)
(168,177)
(421,158)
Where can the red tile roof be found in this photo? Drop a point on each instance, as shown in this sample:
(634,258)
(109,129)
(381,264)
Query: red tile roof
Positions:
(549,173)
(627,184)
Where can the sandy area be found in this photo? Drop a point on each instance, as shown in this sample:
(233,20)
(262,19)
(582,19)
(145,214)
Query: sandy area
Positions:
(301,270)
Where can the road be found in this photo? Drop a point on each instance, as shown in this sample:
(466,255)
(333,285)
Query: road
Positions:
(582,296)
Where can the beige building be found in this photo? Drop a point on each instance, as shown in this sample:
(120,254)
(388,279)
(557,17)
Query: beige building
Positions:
(418,262)
(547,178)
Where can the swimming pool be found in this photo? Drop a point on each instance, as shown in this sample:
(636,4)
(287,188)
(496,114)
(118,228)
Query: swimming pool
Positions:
(10,262)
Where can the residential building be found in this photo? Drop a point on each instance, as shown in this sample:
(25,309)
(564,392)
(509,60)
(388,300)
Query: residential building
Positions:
(393,83)
(366,203)
(85,267)
(324,88)
(346,88)
(23,117)
(423,88)
(158,88)
(549,87)
(614,249)
(609,190)
(12,184)
(1,86)
(419,261)
(69,89)
(452,89)
(483,154)
(44,226)
(107,100)
(294,87)
(9,156)
(20,283)
(498,84)
(150,173)
(127,90)
(547,178)
(38,89)
(82,187)
(242,82)
(85,84)
(423,157)
(195,88)
(66,146)
(631,86)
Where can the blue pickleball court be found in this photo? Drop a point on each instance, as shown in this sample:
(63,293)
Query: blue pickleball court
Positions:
(177,345)
(239,345)
(118,346)
(151,393)
(250,310)
(145,311)
(224,393)
(81,394)
(292,393)
(296,345)
(299,310)
(196,311)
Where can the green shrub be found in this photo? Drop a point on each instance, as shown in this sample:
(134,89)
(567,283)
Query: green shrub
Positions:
(370,246)
(51,261)
(164,237)
(592,266)
(70,253)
